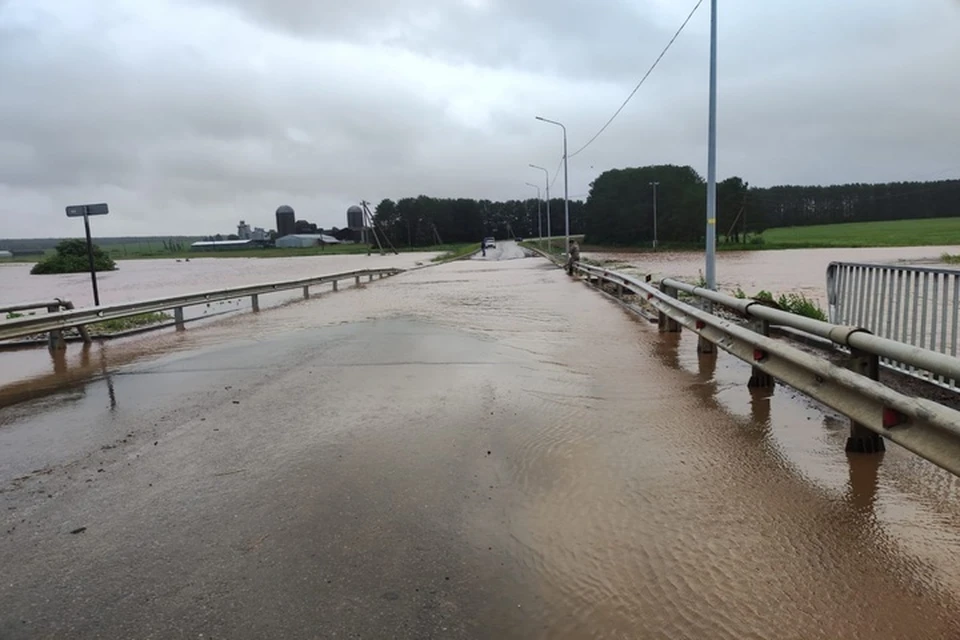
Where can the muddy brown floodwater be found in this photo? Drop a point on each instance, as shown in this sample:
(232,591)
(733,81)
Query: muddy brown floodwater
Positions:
(158,278)
(793,270)
(477,450)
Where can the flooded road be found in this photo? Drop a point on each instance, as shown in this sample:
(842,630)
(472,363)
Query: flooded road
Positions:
(485,449)
(505,250)
(787,271)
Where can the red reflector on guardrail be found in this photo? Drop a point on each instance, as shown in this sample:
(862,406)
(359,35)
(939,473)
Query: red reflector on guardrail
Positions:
(649,296)
(701,324)
(892,418)
(759,355)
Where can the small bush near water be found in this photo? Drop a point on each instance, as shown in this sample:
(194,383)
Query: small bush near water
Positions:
(71,257)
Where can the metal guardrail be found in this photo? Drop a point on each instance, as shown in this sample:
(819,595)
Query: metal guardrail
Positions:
(52,306)
(914,305)
(928,429)
(57,322)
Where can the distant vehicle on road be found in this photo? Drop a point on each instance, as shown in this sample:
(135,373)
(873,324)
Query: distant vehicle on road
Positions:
(489,243)
(519,239)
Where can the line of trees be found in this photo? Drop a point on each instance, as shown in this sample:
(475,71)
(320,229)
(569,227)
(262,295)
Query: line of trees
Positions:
(424,221)
(619,208)
(788,206)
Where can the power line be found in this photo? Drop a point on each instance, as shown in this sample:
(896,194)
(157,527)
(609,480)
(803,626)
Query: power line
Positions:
(556,174)
(642,80)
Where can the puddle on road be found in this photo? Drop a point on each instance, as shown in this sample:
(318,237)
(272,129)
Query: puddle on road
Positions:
(644,488)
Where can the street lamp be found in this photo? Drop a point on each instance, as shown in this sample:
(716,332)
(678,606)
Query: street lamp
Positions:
(546,175)
(654,185)
(566,185)
(539,220)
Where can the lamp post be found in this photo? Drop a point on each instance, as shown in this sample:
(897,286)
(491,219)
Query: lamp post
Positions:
(566,184)
(704,345)
(654,185)
(546,175)
(539,219)
(711,236)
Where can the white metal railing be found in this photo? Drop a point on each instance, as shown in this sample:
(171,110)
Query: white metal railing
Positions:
(927,428)
(57,322)
(913,305)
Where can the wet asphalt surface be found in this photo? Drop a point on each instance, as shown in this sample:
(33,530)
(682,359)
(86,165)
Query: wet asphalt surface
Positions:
(281,500)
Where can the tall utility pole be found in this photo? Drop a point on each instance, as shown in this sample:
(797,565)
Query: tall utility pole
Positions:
(711,266)
(566,183)
(539,219)
(546,175)
(654,185)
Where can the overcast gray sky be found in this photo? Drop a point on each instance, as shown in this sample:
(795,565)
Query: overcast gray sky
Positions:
(188,115)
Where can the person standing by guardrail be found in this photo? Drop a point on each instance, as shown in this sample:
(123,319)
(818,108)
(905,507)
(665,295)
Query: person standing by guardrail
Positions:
(574,257)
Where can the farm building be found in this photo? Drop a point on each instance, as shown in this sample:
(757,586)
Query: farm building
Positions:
(224,245)
(300,240)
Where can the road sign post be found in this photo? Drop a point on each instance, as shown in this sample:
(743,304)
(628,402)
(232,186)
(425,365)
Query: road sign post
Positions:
(85,211)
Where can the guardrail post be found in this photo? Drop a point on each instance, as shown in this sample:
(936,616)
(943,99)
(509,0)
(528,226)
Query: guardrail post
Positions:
(759,378)
(178,318)
(306,292)
(55,339)
(666,324)
(255,301)
(703,345)
(358,280)
(371,278)
(862,439)
(336,285)
(81,328)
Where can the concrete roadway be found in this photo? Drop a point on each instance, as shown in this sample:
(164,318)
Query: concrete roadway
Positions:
(476,450)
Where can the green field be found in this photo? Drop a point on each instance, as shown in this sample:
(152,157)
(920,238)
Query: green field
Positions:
(893,233)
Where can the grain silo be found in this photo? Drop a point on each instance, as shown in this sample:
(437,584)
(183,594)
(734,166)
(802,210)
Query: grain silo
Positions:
(286,221)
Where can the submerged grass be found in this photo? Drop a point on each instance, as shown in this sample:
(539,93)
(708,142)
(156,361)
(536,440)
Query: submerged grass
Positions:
(118,325)
(795,303)
(950,258)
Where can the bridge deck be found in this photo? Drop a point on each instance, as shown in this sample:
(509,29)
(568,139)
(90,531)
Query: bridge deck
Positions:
(482,449)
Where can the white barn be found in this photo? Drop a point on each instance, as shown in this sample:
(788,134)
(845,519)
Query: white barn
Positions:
(299,240)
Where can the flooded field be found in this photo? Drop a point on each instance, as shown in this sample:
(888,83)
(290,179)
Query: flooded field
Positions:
(144,279)
(791,270)
(479,450)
